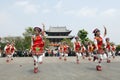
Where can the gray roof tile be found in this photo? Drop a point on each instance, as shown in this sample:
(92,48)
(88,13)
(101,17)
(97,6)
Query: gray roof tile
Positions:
(57,29)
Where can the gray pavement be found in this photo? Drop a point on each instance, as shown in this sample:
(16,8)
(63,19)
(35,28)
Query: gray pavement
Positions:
(55,69)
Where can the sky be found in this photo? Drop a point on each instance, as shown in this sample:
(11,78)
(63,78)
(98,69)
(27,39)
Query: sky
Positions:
(17,15)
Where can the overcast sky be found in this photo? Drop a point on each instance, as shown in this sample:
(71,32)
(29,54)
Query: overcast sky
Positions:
(16,15)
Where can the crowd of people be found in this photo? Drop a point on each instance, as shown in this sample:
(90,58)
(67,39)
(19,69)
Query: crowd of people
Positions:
(93,51)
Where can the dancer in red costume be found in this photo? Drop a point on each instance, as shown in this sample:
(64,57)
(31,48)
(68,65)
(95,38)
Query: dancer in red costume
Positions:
(90,50)
(94,52)
(77,46)
(37,48)
(13,49)
(98,40)
(60,49)
(83,51)
(108,50)
(113,49)
(7,50)
(65,50)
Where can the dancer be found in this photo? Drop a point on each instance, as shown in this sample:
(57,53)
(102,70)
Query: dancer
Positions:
(65,50)
(77,49)
(37,48)
(98,40)
(13,49)
(7,50)
(83,51)
(108,50)
(95,57)
(90,51)
(60,49)
(113,50)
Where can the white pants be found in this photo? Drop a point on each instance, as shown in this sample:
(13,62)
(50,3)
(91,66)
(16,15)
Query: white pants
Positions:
(90,54)
(78,55)
(61,54)
(37,58)
(65,55)
(101,56)
(84,54)
(12,55)
(109,54)
(113,53)
(43,55)
(104,56)
(9,57)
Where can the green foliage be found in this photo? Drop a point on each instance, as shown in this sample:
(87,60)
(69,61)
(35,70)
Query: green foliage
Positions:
(82,34)
(46,42)
(112,43)
(27,37)
(27,42)
(118,47)
(28,32)
(19,41)
(2,45)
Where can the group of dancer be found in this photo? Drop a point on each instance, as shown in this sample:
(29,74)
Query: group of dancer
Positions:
(97,50)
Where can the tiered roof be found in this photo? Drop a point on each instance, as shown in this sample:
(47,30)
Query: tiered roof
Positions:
(57,29)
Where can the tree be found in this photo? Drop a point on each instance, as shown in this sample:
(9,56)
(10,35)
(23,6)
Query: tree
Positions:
(27,37)
(19,41)
(28,32)
(82,34)
(118,47)
(47,42)
(112,43)
(2,45)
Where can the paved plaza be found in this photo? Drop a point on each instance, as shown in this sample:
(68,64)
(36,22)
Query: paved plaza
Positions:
(21,68)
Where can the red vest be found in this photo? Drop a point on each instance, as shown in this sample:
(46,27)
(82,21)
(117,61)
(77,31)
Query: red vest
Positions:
(108,46)
(12,49)
(83,49)
(77,46)
(90,48)
(8,49)
(38,45)
(65,48)
(99,42)
(99,45)
(113,48)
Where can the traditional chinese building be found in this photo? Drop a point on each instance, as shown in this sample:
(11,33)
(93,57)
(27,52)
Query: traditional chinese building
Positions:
(56,34)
